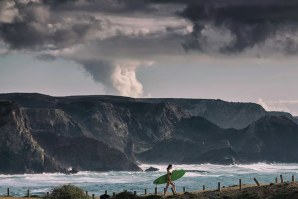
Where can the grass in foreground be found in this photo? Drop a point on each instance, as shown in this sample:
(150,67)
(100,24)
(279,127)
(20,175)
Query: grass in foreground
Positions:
(272,191)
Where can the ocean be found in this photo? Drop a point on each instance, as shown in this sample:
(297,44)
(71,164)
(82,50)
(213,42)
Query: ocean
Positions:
(196,176)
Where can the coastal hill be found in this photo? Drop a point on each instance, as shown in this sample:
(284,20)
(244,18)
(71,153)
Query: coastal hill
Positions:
(113,133)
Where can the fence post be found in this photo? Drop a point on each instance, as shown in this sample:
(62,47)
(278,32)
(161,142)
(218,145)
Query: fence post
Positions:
(281,179)
(93,196)
(135,193)
(257,182)
(204,188)
(183,189)
(145,191)
(276,180)
(28,193)
(48,194)
(106,192)
(218,187)
(114,193)
(155,191)
(240,184)
(293,178)
(8,192)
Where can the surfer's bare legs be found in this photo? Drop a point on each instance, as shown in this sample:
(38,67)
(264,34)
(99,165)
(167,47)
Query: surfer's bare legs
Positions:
(174,187)
(166,189)
(167,186)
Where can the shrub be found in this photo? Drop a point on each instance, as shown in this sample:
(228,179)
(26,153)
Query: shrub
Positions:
(126,195)
(67,192)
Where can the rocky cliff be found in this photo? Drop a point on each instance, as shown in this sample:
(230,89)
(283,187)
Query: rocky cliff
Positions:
(19,152)
(224,114)
(154,130)
(196,140)
(48,140)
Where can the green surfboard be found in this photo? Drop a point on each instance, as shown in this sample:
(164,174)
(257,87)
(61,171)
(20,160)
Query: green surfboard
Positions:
(176,174)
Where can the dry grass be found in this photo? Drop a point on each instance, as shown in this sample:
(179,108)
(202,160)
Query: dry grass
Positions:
(15,198)
(272,191)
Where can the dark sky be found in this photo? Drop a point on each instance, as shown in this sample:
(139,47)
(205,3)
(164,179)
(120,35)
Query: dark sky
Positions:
(236,50)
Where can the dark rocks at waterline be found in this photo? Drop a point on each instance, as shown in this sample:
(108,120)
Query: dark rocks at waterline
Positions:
(71,171)
(197,171)
(152,169)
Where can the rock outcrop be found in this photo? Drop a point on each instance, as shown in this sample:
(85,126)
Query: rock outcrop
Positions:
(47,140)
(84,153)
(19,152)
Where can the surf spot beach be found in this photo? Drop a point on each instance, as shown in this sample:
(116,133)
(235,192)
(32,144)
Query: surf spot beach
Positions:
(197,176)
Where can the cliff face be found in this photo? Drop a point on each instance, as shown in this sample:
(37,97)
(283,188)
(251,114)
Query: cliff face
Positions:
(223,114)
(118,130)
(196,140)
(272,139)
(84,153)
(57,143)
(19,152)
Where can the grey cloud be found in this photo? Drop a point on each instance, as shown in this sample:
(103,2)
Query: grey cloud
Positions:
(119,78)
(22,35)
(250,22)
(90,31)
(46,57)
(100,70)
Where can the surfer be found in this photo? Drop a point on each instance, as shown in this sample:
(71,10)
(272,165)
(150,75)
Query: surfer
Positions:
(169,180)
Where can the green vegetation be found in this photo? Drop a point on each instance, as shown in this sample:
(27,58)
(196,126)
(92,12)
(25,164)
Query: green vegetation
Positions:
(67,192)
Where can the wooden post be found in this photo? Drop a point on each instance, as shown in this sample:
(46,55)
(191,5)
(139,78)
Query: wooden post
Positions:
(203,187)
(276,180)
(281,179)
(135,193)
(28,193)
(257,182)
(183,189)
(86,193)
(114,193)
(240,184)
(93,196)
(218,187)
(48,194)
(106,192)
(145,191)
(293,178)
(8,192)
(164,190)
(155,191)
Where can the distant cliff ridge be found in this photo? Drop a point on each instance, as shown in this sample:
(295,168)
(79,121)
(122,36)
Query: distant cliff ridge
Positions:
(102,132)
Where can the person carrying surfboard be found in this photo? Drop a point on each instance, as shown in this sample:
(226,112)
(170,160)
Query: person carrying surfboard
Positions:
(169,180)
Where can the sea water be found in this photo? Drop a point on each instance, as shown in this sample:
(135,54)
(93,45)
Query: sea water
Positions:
(115,181)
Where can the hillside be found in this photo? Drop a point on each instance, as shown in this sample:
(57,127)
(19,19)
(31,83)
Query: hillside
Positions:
(154,130)
(23,150)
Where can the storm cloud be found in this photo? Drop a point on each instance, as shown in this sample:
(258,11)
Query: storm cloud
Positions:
(111,39)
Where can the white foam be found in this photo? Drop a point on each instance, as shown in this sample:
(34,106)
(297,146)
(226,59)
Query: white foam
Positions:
(112,179)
